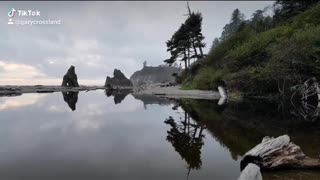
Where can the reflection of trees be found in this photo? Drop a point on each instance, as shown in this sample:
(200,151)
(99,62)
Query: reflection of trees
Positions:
(71,98)
(241,125)
(119,95)
(187,139)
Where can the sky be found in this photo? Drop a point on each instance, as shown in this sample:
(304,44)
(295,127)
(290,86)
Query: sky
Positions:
(97,37)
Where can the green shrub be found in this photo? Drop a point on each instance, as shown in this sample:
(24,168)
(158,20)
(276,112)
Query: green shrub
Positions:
(216,57)
(208,79)
(308,18)
(263,63)
(255,49)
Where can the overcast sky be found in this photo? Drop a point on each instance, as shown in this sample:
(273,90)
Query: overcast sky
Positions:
(97,37)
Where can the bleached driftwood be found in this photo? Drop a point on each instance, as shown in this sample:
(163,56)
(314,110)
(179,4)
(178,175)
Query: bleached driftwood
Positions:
(223,95)
(251,172)
(222,92)
(277,153)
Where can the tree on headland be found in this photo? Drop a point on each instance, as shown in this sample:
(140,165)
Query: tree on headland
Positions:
(237,18)
(215,43)
(179,46)
(187,42)
(145,63)
(257,21)
(285,9)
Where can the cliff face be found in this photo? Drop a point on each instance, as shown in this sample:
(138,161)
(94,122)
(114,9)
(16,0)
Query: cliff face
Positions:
(118,80)
(149,75)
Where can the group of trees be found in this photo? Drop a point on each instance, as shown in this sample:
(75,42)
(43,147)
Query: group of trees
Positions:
(261,55)
(187,42)
(237,19)
(259,22)
(284,9)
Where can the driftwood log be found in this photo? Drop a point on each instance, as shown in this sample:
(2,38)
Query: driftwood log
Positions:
(279,153)
(251,172)
(223,95)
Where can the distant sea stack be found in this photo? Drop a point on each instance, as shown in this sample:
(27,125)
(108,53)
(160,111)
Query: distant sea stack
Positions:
(150,75)
(118,80)
(70,79)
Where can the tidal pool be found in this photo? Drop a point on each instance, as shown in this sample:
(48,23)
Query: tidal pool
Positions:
(90,135)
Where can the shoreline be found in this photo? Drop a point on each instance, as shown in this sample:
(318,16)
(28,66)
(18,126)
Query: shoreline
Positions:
(17,89)
(176,93)
(168,92)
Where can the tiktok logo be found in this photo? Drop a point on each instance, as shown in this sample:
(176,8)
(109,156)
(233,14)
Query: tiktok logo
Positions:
(12,13)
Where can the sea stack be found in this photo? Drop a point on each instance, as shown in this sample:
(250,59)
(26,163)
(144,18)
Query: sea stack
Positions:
(70,79)
(118,80)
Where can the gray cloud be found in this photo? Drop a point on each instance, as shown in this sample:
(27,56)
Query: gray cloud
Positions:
(97,37)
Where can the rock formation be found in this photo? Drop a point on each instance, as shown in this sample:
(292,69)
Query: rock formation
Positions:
(118,80)
(70,79)
(152,75)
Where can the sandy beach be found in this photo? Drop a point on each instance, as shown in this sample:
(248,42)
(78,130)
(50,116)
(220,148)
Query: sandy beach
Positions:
(176,92)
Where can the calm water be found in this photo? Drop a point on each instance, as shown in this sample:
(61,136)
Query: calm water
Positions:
(89,135)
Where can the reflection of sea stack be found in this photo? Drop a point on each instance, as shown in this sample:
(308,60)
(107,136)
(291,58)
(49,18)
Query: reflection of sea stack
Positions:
(71,98)
(70,79)
(119,95)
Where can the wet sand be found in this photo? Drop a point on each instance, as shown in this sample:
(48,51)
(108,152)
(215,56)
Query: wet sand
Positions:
(16,90)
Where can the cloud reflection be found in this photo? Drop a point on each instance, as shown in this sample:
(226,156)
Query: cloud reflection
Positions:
(10,103)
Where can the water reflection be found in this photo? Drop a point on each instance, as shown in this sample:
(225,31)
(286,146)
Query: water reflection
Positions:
(187,139)
(19,101)
(71,98)
(141,143)
(242,125)
(119,95)
(151,99)
(13,94)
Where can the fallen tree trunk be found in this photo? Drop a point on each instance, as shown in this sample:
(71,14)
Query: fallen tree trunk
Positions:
(279,153)
(251,172)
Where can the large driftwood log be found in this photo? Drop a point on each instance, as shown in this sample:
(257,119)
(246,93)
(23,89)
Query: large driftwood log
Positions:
(278,153)
(251,172)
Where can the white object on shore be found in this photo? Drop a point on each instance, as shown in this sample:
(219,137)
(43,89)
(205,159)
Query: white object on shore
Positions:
(251,172)
(318,92)
(222,92)
(223,96)
(278,153)
(222,101)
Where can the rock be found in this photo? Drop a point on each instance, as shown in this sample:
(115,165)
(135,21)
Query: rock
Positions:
(118,80)
(70,79)
(153,75)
